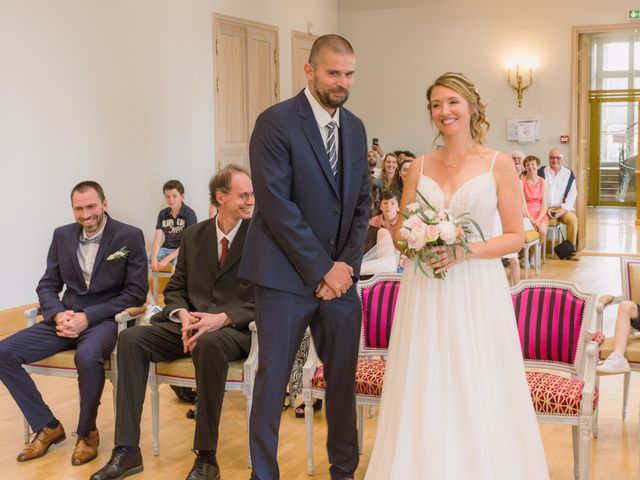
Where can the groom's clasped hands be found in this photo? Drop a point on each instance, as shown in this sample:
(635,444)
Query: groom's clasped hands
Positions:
(335,282)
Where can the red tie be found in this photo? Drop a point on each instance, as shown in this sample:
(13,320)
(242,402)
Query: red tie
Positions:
(224,252)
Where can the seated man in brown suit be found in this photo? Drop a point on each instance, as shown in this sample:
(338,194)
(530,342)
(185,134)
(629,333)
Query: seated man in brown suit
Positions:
(207,315)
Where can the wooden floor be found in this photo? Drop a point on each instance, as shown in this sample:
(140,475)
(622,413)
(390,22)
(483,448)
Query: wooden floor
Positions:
(614,454)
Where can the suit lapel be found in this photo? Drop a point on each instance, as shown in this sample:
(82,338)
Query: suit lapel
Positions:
(105,245)
(346,156)
(236,248)
(312,132)
(73,254)
(210,245)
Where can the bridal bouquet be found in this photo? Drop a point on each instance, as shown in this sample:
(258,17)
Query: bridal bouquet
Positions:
(426,227)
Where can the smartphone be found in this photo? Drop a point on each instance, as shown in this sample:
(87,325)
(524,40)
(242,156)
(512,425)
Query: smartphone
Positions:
(374,142)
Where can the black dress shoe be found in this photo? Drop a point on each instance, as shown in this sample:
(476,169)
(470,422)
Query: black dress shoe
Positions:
(123,463)
(203,470)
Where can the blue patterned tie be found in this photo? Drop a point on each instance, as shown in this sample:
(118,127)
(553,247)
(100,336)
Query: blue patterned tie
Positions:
(332,152)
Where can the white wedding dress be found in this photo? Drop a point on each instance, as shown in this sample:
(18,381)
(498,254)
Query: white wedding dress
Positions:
(455,402)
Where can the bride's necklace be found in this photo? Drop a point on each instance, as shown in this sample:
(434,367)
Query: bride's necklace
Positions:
(449,165)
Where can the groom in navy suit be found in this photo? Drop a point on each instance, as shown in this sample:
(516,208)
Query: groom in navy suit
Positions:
(304,248)
(103,266)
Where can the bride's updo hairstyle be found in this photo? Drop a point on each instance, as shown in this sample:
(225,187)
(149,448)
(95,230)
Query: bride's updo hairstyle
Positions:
(467,90)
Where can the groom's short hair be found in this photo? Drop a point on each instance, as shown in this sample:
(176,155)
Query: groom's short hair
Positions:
(332,42)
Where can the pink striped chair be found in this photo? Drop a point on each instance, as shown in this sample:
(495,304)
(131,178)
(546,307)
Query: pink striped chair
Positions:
(553,318)
(378,298)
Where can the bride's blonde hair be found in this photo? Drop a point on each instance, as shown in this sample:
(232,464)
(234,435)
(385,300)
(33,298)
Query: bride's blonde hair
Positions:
(467,90)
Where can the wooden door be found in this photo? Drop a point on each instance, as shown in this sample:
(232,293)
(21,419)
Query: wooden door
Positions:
(246,82)
(300,48)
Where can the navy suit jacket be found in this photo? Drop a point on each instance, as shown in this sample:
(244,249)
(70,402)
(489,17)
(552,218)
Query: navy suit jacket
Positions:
(304,219)
(115,284)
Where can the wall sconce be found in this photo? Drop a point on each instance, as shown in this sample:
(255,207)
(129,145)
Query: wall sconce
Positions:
(519,86)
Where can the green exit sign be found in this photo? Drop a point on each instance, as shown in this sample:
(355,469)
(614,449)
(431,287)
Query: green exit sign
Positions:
(634,14)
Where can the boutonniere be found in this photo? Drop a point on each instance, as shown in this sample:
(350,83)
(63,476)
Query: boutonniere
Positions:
(118,254)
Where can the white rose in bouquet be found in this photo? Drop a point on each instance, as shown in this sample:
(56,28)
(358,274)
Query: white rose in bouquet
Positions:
(447,232)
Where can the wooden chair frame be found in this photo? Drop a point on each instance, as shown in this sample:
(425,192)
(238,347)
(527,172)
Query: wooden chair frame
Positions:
(161,373)
(582,368)
(59,365)
(365,353)
(627,294)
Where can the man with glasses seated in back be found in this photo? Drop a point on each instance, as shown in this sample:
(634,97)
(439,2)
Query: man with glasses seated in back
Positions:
(207,315)
(562,191)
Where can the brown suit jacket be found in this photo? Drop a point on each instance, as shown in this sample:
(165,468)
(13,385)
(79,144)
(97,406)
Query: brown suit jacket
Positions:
(199,284)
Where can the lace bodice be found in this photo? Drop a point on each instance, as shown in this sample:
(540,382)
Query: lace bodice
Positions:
(477,196)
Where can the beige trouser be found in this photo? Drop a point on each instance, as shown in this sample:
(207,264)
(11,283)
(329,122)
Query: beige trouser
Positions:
(570,221)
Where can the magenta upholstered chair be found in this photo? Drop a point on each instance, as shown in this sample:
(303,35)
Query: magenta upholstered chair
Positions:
(378,298)
(553,320)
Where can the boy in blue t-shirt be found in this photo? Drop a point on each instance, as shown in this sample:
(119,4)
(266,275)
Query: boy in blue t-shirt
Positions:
(171,223)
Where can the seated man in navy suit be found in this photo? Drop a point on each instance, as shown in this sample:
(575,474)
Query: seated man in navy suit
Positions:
(207,315)
(102,265)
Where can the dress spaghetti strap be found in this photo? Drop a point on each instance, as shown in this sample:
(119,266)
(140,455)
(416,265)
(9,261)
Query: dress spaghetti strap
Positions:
(493,160)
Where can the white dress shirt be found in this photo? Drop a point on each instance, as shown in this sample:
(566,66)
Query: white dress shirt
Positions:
(323,118)
(556,185)
(87,253)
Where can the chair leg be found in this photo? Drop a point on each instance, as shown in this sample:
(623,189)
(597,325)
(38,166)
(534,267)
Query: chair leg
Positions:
(360,414)
(575,434)
(625,395)
(249,404)
(596,414)
(536,253)
(155,413)
(526,261)
(114,383)
(308,422)
(585,448)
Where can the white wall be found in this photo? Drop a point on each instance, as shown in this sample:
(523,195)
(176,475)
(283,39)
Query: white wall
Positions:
(402,48)
(119,92)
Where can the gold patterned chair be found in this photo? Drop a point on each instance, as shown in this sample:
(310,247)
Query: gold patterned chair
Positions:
(378,300)
(630,271)
(560,357)
(62,364)
(182,373)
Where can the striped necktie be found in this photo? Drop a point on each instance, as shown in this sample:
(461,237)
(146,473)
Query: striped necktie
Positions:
(332,152)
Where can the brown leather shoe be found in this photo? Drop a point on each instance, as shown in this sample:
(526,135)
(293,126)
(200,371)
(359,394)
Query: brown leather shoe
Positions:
(86,448)
(41,443)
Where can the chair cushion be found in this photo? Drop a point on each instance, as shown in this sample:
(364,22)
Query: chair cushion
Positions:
(369,376)
(633,349)
(64,360)
(555,395)
(530,236)
(184,368)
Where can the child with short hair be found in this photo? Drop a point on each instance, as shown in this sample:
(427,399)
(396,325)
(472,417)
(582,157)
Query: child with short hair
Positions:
(390,208)
(166,242)
(171,223)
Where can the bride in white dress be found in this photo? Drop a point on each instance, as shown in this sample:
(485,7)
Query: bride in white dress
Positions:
(455,402)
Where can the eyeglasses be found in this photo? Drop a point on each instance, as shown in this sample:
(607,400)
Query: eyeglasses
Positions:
(246,196)
(559,157)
